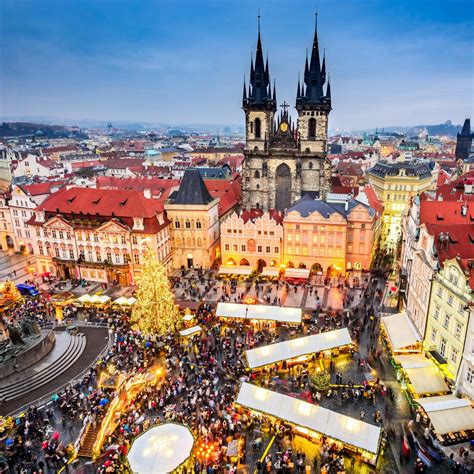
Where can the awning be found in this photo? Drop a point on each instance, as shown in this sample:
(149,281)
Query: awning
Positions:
(235,270)
(448,414)
(99,299)
(349,430)
(190,331)
(427,380)
(84,299)
(413,361)
(122,301)
(400,331)
(301,346)
(297,273)
(270,272)
(259,312)
(161,449)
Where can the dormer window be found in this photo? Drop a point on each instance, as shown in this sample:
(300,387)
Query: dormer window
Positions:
(137,223)
(40,216)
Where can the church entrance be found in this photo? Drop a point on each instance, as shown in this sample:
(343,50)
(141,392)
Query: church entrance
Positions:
(283,187)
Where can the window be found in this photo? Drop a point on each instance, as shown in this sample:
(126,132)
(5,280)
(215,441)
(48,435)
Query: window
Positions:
(109,257)
(68,234)
(458,330)
(259,249)
(268,249)
(242,247)
(64,254)
(454,355)
(96,237)
(470,374)
(134,238)
(310,165)
(227,247)
(442,347)
(289,249)
(38,232)
(258,128)
(61,234)
(124,239)
(188,224)
(290,237)
(277,249)
(198,224)
(71,254)
(434,332)
(40,249)
(305,250)
(297,237)
(27,234)
(176,224)
(436,313)
(439,292)
(256,174)
(117,258)
(56,252)
(54,233)
(98,257)
(88,236)
(90,258)
(450,300)
(447,317)
(136,258)
(312,128)
(234,247)
(315,238)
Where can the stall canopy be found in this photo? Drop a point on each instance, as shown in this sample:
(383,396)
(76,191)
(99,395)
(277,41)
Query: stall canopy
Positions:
(84,299)
(99,299)
(427,380)
(160,449)
(190,331)
(400,331)
(301,346)
(297,273)
(259,312)
(349,430)
(448,414)
(413,361)
(270,272)
(235,270)
(122,301)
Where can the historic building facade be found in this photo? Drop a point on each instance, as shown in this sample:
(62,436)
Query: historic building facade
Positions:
(284,160)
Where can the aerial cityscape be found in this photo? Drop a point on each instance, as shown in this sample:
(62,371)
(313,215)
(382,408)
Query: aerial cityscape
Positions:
(243,249)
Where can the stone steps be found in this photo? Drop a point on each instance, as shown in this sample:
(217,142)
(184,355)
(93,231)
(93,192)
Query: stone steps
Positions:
(47,374)
(87,442)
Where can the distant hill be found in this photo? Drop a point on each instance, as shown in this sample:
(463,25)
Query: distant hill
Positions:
(26,129)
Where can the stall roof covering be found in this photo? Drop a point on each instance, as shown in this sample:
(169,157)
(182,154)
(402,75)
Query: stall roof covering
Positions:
(427,380)
(400,331)
(235,270)
(413,361)
(270,271)
(259,311)
(297,273)
(448,413)
(190,331)
(313,417)
(297,347)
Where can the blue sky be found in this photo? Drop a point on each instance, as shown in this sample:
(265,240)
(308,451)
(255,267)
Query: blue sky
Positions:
(391,63)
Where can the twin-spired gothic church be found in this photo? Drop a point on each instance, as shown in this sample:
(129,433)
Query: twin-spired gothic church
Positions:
(284,160)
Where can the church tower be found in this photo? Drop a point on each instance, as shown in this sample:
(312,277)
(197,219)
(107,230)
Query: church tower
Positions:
(464,141)
(313,104)
(284,161)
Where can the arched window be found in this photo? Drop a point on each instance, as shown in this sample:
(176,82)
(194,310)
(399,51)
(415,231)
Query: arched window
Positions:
(310,165)
(256,174)
(257,205)
(265,170)
(312,128)
(188,224)
(176,224)
(258,128)
(258,186)
(198,224)
(251,246)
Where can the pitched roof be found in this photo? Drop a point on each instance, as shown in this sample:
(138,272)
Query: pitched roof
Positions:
(445,213)
(453,240)
(192,190)
(254,214)
(41,188)
(412,168)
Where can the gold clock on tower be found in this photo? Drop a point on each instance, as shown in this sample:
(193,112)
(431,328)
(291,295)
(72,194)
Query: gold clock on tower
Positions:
(283,127)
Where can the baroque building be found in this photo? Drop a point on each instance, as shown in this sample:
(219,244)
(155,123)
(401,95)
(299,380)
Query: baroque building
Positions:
(283,160)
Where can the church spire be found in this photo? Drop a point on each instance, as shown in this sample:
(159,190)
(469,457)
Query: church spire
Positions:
(328,90)
(323,68)
(244,95)
(260,91)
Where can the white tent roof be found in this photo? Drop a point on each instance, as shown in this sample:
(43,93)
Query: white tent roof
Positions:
(259,311)
(448,413)
(84,299)
(413,361)
(297,347)
(270,271)
(297,273)
(400,331)
(313,417)
(427,380)
(235,270)
(189,331)
(100,299)
(160,449)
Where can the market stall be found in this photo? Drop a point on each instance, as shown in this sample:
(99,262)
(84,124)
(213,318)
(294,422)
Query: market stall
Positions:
(452,418)
(190,331)
(400,333)
(235,270)
(296,275)
(299,349)
(122,301)
(161,449)
(259,312)
(313,420)
(270,272)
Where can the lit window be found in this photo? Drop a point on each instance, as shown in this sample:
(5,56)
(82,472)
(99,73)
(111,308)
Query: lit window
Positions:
(277,249)
(243,247)
(227,247)
(268,249)
(259,249)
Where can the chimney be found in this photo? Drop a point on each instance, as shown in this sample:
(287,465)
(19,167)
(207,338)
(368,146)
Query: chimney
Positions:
(463,210)
(147,193)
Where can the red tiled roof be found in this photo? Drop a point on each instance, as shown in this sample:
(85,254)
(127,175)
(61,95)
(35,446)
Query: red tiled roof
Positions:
(122,163)
(85,164)
(48,163)
(455,191)
(374,201)
(445,213)
(59,149)
(452,241)
(41,188)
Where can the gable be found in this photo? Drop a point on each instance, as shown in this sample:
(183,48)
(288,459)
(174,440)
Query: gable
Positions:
(57,223)
(112,226)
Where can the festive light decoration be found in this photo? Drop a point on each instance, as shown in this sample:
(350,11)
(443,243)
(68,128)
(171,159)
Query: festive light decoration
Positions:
(205,451)
(321,380)
(155,312)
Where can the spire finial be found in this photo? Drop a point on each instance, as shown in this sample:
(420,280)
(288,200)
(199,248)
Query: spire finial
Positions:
(258,20)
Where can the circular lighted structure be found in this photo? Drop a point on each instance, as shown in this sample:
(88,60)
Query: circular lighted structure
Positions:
(161,449)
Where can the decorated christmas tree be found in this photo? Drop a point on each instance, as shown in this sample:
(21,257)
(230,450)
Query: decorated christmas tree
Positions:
(155,312)
(321,380)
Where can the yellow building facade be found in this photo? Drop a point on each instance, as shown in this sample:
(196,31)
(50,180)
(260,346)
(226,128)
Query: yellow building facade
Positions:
(395,184)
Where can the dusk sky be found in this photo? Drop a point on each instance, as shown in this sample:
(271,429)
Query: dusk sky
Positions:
(183,62)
